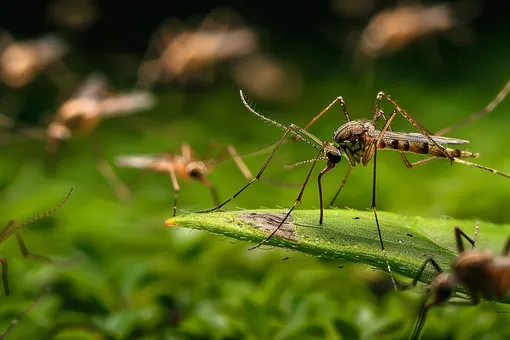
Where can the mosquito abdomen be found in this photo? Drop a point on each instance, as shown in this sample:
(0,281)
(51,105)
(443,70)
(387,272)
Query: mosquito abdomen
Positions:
(423,148)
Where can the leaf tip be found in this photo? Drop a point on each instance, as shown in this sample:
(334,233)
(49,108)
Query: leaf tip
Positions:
(170,222)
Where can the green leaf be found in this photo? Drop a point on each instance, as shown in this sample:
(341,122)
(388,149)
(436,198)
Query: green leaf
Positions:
(352,235)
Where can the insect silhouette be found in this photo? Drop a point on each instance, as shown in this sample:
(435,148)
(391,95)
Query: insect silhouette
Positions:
(359,140)
(186,166)
(481,272)
(185,54)
(14,227)
(93,101)
(22,61)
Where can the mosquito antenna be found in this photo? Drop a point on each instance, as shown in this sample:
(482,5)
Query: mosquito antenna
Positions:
(292,166)
(47,213)
(283,127)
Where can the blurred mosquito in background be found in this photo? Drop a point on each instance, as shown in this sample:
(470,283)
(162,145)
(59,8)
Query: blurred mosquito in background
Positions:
(481,272)
(188,166)
(183,54)
(359,140)
(393,29)
(93,101)
(22,61)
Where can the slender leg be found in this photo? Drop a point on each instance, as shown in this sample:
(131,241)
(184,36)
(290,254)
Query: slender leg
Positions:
(374,209)
(288,130)
(186,152)
(337,100)
(341,186)
(422,269)
(239,162)
(22,315)
(487,109)
(506,249)
(298,199)
(212,189)
(105,169)
(121,190)
(4,276)
(458,234)
(328,168)
(176,186)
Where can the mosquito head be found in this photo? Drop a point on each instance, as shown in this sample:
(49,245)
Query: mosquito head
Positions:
(442,287)
(196,169)
(333,154)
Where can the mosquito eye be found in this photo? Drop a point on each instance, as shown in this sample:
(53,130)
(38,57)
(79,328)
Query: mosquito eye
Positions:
(195,173)
(334,157)
(444,292)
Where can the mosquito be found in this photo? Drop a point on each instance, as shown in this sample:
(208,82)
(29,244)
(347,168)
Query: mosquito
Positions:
(359,140)
(481,272)
(22,61)
(184,54)
(186,166)
(14,227)
(92,102)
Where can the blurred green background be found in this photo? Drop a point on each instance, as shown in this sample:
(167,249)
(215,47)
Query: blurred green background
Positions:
(136,279)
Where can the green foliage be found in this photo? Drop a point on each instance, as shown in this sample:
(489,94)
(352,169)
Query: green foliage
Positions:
(137,279)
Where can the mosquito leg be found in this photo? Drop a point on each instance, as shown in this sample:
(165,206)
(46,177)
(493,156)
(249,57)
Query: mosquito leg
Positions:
(298,199)
(105,169)
(422,269)
(176,186)
(458,234)
(186,152)
(461,161)
(22,315)
(374,209)
(212,189)
(328,167)
(4,276)
(341,186)
(487,109)
(288,130)
(337,100)
(121,190)
(506,249)
(239,162)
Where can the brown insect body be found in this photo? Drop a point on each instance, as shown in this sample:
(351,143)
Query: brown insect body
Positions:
(356,136)
(482,273)
(184,168)
(21,62)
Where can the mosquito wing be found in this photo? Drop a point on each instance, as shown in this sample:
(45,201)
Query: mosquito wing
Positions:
(418,137)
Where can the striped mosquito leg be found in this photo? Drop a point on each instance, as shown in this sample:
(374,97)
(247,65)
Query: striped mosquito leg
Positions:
(461,161)
(176,187)
(341,186)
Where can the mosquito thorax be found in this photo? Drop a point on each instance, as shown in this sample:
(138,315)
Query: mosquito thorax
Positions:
(353,131)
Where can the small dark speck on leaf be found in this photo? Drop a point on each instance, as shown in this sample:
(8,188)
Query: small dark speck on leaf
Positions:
(356,217)
(285,259)
(340,267)
(410,235)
